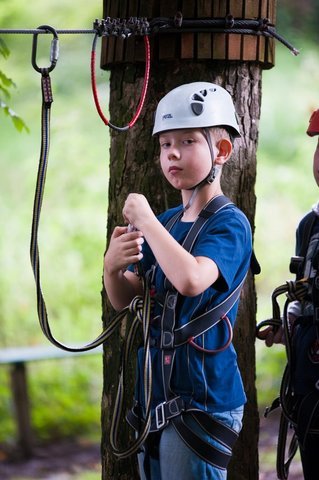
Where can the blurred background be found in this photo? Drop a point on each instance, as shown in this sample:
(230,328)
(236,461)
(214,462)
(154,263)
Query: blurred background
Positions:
(65,394)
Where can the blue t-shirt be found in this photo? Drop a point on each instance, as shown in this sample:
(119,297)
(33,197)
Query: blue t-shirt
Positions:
(211,382)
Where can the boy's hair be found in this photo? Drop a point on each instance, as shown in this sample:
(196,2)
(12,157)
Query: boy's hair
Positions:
(221,132)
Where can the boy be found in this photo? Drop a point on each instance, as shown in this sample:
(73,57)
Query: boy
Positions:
(195,124)
(303,315)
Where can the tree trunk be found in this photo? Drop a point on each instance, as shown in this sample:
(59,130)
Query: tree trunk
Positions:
(134,168)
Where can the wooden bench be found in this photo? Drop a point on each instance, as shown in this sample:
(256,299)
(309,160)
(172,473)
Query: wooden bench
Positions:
(18,358)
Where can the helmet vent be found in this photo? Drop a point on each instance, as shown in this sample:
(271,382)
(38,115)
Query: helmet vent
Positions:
(198,102)
(197,108)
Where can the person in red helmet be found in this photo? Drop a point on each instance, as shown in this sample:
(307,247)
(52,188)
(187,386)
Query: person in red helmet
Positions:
(303,318)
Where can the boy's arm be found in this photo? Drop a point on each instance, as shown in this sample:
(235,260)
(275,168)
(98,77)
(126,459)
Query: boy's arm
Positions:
(121,287)
(190,275)
(124,249)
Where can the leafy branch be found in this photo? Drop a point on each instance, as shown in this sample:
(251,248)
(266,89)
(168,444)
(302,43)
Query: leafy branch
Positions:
(6,84)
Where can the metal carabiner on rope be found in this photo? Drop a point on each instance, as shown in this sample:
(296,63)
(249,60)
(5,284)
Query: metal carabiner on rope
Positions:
(54,51)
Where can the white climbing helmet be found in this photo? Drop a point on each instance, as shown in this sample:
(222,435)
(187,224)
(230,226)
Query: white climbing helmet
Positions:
(196,105)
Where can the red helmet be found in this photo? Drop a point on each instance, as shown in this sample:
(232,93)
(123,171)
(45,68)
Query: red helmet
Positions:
(313,128)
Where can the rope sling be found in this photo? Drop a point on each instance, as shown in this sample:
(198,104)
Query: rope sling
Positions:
(139,308)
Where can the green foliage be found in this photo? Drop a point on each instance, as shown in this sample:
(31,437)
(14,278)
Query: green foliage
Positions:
(70,409)
(285,186)
(65,394)
(5,85)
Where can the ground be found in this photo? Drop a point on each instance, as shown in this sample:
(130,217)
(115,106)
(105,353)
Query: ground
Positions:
(63,460)
(68,460)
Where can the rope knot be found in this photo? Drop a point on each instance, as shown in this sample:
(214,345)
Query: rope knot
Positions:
(136,307)
(297,290)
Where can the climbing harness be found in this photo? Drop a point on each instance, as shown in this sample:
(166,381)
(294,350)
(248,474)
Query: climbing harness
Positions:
(292,408)
(174,409)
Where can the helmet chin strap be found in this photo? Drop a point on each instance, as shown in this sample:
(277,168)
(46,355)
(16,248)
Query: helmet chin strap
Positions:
(213,173)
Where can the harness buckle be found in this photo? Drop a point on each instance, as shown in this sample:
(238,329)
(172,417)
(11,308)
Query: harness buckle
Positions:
(160,419)
(167,410)
(167,340)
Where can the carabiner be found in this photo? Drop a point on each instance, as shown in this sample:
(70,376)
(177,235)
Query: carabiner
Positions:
(54,52)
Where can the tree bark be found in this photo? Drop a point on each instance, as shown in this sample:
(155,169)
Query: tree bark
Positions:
(134,167)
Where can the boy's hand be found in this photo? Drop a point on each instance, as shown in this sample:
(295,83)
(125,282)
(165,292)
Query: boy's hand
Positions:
(124,249)
(137,210)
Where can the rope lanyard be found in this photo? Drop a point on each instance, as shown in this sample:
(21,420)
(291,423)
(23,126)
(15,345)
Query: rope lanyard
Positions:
(139,308)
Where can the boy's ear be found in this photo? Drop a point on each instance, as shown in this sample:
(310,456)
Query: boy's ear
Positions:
(224,150)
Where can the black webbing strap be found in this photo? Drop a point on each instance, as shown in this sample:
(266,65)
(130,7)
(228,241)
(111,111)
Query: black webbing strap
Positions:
(216,204)
(170,337)
(308,226)
(217,430)
(207,320)
(201,447)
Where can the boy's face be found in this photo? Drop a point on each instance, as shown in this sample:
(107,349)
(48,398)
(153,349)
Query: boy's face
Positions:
(316,164)
(185,157)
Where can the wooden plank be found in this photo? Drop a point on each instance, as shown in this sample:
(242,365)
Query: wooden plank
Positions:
(263,8)
(187,47)
(167,48)
(220,9)
(109,43)
(234,47)
(204,40)
(251,9)
(121,43)
(236,8)
(234,44)
(266,46)
(249,50)
(129,45)
(271,10)
(219,41)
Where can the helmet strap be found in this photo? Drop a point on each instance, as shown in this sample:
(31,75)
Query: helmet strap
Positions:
(215,169)
(192,197)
